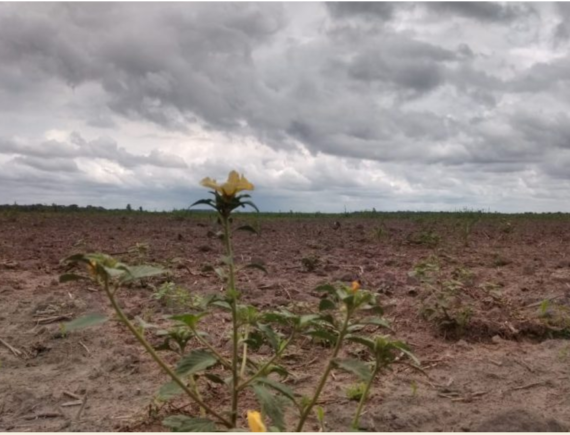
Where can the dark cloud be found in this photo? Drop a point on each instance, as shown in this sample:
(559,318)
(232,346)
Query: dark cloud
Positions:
(52,154)
(463,92)
(368,10)
(487,12)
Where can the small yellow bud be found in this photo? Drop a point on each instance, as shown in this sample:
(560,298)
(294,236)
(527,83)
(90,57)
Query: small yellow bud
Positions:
(92,268)
(355,286)
(255,422)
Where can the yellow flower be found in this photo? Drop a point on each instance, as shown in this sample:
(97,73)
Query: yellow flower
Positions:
(235,184)
(92,268)
(255,422)
(355,286)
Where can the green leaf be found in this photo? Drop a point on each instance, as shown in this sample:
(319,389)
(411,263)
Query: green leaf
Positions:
(270,406)
(221,273)
(169,390)
(272,337)
(283,317)
(196,361)
(84,322)
(189,319)
(208,202)
(67,277)
(361,340)
(183,423)
(306,319)
(256,266)
(323,334)
(274,368)
(214,378)
(400,345)
(328,288)
(283,389)
(222,304)
(139,272)
(247,228)
(375,321)
(255,340)
(326,304)
(251,204)
(355,366)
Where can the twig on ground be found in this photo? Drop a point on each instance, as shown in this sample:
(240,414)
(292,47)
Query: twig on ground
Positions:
(85,347)
(53,319)
(527,386)
(16,352)
(78,415)
(72,395)
(44,415)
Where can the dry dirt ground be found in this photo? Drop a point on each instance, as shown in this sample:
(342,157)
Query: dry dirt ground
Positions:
(506,367)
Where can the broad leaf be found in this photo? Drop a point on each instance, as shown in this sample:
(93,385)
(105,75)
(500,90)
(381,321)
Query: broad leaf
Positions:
(84,322)
(139,272)
(326,304)
(328,288)
(272,337)
(270,406)
(354,366)
(283,389)
(323,334)
(247,228)
(378,321)
(370,344)
(189,319)
(183,423)
(214,378)
(195,362)
(208,202)
(251,204)
(169,390)
(256,266)
(67,277)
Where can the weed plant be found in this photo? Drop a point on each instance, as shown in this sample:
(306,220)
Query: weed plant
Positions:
(346,314)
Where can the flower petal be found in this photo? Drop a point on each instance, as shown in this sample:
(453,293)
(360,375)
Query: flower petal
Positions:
(208,182)
(255,422)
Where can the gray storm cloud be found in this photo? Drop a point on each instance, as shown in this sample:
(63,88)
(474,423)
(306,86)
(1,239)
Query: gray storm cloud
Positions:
(475,94)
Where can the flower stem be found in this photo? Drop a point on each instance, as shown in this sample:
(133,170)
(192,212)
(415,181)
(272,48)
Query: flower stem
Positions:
(159,360)
(266,365)
(211,348)
(244,358)
(325,375)
(235,331)
(364,397)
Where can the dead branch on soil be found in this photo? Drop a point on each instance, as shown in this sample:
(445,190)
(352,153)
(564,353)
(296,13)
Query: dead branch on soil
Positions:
(16,352)
(53,319)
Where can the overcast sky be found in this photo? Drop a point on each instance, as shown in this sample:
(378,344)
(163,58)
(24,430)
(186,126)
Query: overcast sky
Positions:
(393,106)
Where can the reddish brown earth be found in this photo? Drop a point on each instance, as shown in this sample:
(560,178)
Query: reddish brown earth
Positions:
(508,369)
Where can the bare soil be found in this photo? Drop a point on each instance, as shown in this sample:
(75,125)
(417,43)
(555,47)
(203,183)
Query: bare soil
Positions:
(507,368)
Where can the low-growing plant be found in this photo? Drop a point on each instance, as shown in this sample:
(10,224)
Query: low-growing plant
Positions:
(426,237)
(345,314)
(139,252)
(174,296)
(355,391)
(442,301)
(310,263)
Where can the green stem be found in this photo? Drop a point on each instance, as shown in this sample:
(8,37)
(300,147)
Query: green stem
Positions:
(266,365)
(235,332)
(194,386)
(364,397)
(159,360)
(219,356)
(325,375)
(244,357)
